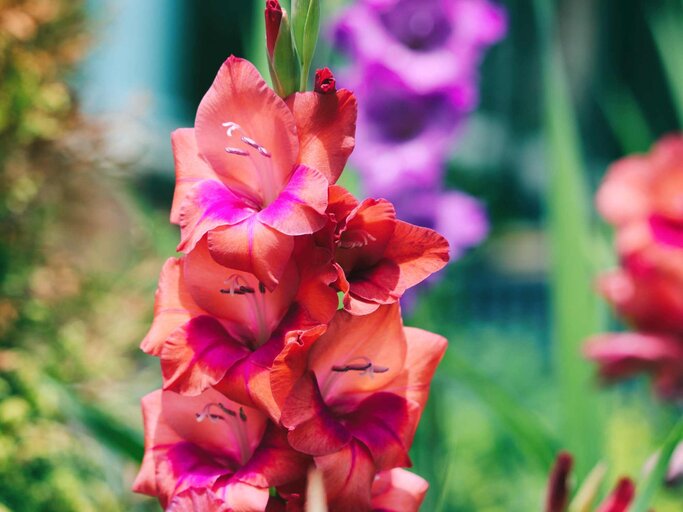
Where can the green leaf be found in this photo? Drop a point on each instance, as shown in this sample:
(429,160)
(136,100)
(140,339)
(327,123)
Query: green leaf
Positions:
(627,120)
(104,426)
(665,25)
(646,490)
(531,436)
(576,309)
(306,26)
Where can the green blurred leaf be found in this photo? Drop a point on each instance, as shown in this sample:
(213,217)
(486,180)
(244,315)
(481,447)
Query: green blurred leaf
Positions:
(627,120)
(533,439)
(103,426)
(665,25)
(576,309)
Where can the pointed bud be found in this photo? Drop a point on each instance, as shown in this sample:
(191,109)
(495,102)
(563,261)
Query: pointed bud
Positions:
(273,15)
(325,82)
(621,498)
(306,26)
(283,62)
(558,484)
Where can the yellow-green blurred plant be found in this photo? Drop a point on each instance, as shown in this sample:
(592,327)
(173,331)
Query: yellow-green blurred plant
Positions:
(63,337)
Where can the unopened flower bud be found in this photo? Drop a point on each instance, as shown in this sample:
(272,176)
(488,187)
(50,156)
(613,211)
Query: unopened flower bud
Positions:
(325,82)
(273,16)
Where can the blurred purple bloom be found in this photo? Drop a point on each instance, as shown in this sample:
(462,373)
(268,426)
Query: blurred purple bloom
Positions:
(414,67)
(431,43)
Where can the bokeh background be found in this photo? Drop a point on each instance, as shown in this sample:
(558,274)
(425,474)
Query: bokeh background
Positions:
(89,93)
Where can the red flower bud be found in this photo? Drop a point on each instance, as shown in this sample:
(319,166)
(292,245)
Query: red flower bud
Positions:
(325,82)
(558,486)
(621,498)
(273,15)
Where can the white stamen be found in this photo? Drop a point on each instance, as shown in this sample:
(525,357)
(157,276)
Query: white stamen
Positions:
(231,127)
(365,239)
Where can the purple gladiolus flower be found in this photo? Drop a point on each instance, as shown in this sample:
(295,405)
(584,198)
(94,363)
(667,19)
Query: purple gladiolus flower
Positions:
(414,67)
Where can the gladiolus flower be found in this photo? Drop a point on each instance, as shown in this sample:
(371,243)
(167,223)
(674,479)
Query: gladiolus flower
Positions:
(254,171)
(267,387)
(642,196)
(353,398)
(378,256)
(214,324)
(217,448)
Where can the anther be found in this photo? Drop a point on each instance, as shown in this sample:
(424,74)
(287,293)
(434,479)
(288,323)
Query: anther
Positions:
(352,367)
(206,412)
(236,151)
(235,287)
(262,288)
(242,290)
(251,142)
(243,415)
(227,411)
(364,367)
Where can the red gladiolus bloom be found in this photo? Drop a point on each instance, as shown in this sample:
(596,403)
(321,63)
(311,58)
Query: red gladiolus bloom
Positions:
(378,256)
(353,398)
(223,452)
(217,325)
(642,196)
(254,171)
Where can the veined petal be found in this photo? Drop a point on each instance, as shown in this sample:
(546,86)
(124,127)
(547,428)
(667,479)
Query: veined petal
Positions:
(190,168)
(340,203)
(418,252)
(192,500)
(374,341)
(208,205)
(424,352)
(249,316)
(274,462)
(241,112)
(145,482)
(367,232)
(412,254)
(254,247)
(248,381)
(211,423)
(241,497)
(198,355)
(379,284)
(300,208)
(348,476)
(382,422)
(290,364)
(312,427)
(326,124)
(316,299)
(173,306)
